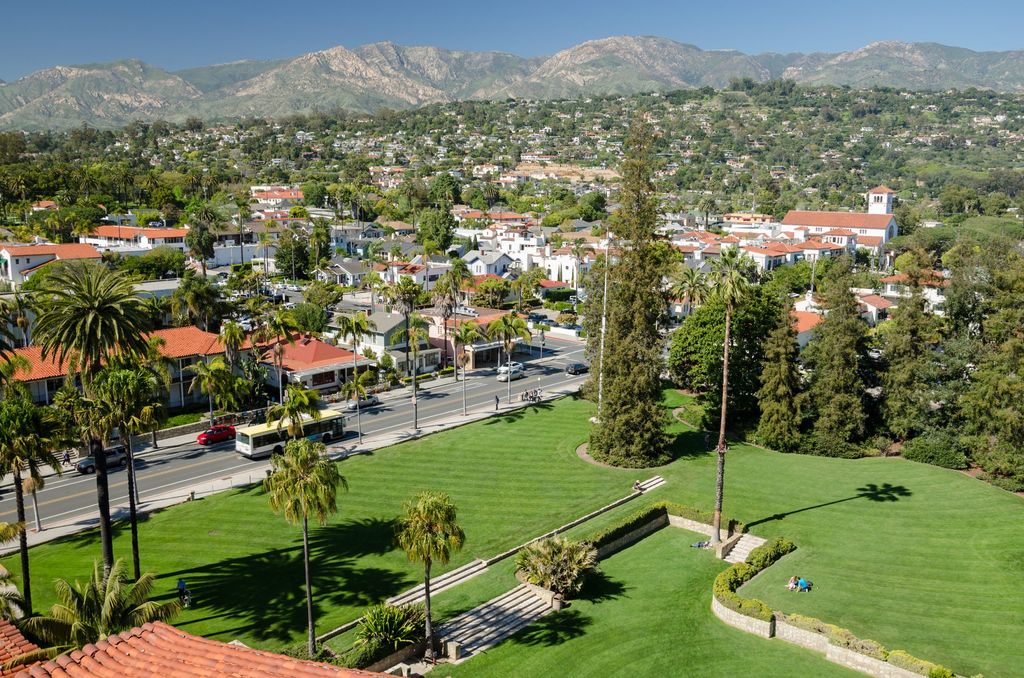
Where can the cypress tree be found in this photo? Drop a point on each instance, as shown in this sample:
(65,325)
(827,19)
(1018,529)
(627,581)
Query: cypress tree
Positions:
(834,354)
(630,428)
(780,397)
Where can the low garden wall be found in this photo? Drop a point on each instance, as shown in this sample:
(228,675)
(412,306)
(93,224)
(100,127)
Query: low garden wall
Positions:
(765,629)
(632,537)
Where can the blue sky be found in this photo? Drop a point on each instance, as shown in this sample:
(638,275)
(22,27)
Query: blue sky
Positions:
(184,33)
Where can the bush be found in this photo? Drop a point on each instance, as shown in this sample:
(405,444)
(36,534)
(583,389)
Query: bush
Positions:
(384,629)
(909,662)
(724,590)
(323,654)
(566,319)
(559,294)
(938,448)
(651,512)
(557,564)
(767,553)
(446,370)
(558,305)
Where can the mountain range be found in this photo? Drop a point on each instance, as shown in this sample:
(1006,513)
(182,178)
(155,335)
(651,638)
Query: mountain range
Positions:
(385,75)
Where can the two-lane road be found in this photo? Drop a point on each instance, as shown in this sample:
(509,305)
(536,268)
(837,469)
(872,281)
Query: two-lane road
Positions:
(73,496)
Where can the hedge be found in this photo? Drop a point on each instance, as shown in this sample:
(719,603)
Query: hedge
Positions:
(728,581)
(841,637)
(653,511)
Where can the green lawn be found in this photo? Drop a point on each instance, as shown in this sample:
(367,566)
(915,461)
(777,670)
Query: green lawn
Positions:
(913,556)
(647,615)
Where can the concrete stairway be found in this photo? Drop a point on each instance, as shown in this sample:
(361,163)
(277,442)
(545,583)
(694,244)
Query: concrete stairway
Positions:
(743,547)
(651,483)
(487,625)
(441,583)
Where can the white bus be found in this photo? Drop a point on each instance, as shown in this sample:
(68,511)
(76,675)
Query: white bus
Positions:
(263,440)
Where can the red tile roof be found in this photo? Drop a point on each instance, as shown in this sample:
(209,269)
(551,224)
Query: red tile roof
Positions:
(805,320)
(933,279)
(12,644)
(876,301)
(877,222)
(869,240)
(552,284)
(128,232)
(67,251)
(839,231)
(881,189)
(162,650)
(307,354)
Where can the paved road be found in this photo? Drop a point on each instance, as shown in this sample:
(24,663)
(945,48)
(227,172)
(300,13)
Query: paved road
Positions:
(174,466)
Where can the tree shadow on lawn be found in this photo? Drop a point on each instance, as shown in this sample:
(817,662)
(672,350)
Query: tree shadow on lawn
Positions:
(554,629)
(599,587)
(518,414)
(884,493)
(265,592)
(688,445)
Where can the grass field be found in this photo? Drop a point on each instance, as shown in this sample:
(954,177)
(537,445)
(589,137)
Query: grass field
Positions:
(648,614)
(913,556)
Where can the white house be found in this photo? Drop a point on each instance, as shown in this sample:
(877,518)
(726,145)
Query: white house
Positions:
(19,262)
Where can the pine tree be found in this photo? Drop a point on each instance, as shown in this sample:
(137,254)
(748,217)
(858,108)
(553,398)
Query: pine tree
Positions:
(780,397)
(837,389)
(630,429)
(905,383)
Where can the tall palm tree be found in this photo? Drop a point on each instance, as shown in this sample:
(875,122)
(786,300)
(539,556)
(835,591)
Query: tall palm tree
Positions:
(507,329)
(691,286)
(127,401)
(729,273)
(465,335)
(213,378)
(29,439)
(302,403)
(414,335)
(195,301)
(233,337)
(17,309)
(278,330)
(373,282)
(91,611)
(12,605)
(87,314)
(707,205)
(304,483)
(429,532)
(356,327)
(265,240)
(580,250)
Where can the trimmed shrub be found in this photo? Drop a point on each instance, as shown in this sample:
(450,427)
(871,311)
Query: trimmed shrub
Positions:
(938,448)
(909,662)
(633,522)
(724,590)
(767,553)
(557,564)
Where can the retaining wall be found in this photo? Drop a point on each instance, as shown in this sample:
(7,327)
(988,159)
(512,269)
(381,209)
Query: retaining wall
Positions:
(632,537)
(765,629)
(865,664)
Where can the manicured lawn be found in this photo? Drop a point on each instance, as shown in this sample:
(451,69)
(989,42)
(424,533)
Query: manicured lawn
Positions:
(648,615)
(512,478)
(913,556)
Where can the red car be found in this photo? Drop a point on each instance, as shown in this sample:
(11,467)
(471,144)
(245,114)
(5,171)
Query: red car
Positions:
(216,434)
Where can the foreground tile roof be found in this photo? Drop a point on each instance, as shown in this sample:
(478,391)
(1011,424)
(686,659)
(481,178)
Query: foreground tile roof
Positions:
(160,650)
(12,644)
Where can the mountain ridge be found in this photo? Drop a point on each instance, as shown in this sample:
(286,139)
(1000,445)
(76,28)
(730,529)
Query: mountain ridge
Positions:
(384,74)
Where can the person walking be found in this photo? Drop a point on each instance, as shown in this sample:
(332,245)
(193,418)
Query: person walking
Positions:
(497,401)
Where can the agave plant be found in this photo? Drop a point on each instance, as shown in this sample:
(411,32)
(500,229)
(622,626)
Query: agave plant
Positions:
(391,625)
(558,564)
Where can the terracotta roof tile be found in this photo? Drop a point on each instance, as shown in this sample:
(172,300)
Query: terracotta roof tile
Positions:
(877,222)
(128,232)
(65,252)
(805,320)
(13,644)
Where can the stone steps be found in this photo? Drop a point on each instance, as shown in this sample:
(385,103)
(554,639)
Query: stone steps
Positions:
(651,483)
(485,626)
(743,547)
(440,583)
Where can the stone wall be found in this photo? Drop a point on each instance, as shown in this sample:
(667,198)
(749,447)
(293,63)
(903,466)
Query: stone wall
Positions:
(691,525)
(865,664)
(802,637)
(765,629)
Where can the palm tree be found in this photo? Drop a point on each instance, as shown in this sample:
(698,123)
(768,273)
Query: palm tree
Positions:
(279,330)
(707,205)
(415,334)
(212,378)
(127,401)
(302,403)
(731,286)
(355,327)
(87,314)
(17,309)
(691,286)
(12,605)
(429,533)
(195,300)
(29,438)
(265,241)
(465,335)
(445,300)
(304,483)
(507,329)
(96,609)
(233,337)
(580,250)
(373,282)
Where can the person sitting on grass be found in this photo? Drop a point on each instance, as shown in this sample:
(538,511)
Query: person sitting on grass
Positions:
(802,585)
(792,583)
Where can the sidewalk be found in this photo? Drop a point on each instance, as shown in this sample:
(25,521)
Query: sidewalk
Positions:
(257,473)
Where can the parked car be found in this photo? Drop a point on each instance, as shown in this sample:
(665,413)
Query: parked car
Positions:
(216,434)
(505,367)
(577,368)
(369,401)
(537,318)
(511,375)
(117,457)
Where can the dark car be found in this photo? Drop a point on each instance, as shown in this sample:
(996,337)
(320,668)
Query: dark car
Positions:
(576,368)
(116,457)
(216,434)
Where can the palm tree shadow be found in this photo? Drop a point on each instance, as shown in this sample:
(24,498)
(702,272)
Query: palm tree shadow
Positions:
(599,587)
(517,414)
(554,629)
(884,493)
(265,592)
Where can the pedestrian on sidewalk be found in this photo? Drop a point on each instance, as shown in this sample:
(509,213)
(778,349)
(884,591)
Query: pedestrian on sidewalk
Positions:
(66,459)
(497,400)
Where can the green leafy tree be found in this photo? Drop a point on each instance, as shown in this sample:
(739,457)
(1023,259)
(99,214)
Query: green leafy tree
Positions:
(781,395)
(292,255)
(630,428)
(836,391)
(436,226)
(88,315)
(304,484)
(429,533)
(492,293)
